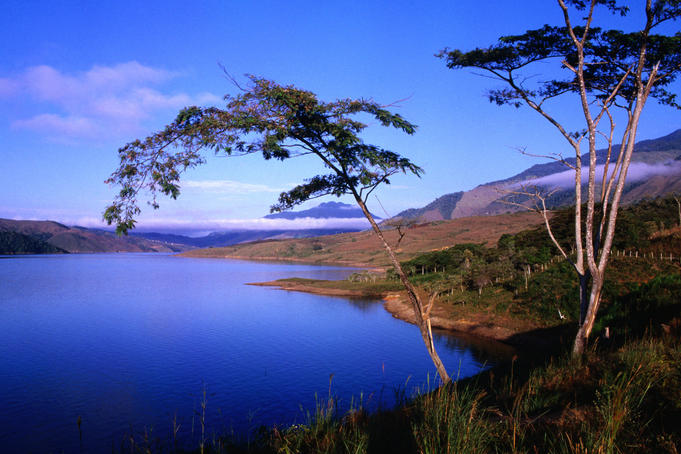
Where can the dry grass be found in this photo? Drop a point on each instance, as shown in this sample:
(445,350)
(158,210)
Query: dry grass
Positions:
(364,249)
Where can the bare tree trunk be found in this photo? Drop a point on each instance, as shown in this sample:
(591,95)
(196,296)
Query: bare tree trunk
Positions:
(583,297)
(421,316)
(587,324)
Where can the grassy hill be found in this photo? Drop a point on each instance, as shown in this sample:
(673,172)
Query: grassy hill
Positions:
(364,249)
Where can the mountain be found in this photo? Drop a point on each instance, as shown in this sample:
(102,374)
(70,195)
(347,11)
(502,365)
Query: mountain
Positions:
(326,210)
(437,210)
(655,171)
(38,237)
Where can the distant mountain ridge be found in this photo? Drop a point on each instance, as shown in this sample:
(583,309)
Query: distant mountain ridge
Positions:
(655,171)
(40,237)
(326,210)
(230,238)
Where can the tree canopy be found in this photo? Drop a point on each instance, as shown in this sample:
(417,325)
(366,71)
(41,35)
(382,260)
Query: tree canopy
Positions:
(279,122)
(610,60)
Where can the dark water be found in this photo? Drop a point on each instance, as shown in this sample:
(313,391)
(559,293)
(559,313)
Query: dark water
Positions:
(129,342)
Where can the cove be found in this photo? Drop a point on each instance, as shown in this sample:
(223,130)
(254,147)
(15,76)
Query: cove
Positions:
(130,342)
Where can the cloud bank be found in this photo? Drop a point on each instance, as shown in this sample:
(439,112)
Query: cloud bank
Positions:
(637,171)
(195,227)
(103,102)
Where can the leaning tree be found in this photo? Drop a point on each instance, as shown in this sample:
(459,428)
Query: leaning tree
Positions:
(612,74)
(279,122)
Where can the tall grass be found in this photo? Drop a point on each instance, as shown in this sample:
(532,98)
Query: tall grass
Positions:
(451,419)
(325,432)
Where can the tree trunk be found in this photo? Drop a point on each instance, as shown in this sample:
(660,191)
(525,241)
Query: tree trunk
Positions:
(587,324)
(583,297)
(414,299)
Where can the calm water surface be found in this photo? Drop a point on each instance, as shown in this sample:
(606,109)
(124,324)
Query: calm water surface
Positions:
(131,341)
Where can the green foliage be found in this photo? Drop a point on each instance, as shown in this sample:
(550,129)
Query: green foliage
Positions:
(549,289)
(643,306)
(18,243)
(451,258)
(635,225)
(563,295)
(279,122)
(611,57)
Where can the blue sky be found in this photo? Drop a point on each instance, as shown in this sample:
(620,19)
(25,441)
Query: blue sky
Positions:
(80,79)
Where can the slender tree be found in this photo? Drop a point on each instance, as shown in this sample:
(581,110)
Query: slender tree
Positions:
(279,122)
(613,74)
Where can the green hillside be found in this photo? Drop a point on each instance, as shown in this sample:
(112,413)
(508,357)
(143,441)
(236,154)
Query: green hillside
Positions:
(17,243)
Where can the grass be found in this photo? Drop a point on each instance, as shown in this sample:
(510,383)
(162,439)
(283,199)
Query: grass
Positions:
(451,420)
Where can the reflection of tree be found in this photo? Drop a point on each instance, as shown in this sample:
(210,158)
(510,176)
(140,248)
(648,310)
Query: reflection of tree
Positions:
(483,351)
(363,304)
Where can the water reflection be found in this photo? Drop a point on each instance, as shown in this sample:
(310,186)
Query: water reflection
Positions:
(485,351)
(364,304)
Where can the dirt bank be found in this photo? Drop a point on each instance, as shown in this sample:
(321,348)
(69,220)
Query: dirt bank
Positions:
(318,290)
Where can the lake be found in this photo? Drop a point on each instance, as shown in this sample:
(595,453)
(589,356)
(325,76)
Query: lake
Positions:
(132,342)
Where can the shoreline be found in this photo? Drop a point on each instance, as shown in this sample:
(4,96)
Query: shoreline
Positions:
(294,286)
(396,303)
(275,259)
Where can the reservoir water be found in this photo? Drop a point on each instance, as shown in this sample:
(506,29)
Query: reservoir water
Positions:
(129,343)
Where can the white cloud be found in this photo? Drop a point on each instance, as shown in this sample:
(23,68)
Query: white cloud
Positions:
(197,227)
(113,101)
(637,171)
(228,187)
(209,225)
